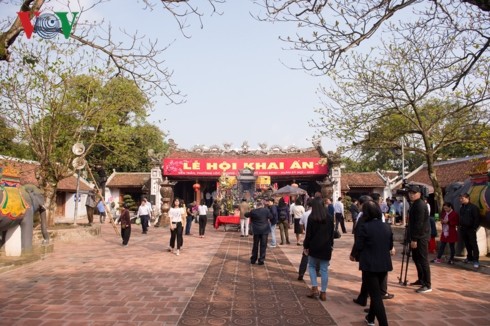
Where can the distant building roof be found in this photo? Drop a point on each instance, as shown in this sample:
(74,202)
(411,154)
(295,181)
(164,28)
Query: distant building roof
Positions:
(128,179)
(216,152)
(457,170)
(27,174)
(70,184)
(361,180)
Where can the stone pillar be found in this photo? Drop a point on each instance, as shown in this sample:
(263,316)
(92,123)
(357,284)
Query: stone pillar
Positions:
(481,239)
(167,195)
(13,242)
(336,186)
(327,187)
(155,196)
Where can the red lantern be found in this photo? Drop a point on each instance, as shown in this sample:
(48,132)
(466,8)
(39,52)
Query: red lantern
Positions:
(196,187)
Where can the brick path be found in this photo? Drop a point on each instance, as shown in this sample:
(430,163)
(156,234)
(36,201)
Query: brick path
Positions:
(234,292)
(99,282)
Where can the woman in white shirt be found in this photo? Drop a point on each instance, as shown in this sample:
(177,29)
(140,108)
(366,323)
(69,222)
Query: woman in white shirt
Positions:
(203,218)
(175,215)
(298,210)
(144,213)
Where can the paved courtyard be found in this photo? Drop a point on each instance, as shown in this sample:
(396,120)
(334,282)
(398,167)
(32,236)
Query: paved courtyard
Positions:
(96,281)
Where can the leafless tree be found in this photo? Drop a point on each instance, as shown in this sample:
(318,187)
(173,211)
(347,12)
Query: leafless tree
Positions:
(401,92)
(137,57)
(329,29)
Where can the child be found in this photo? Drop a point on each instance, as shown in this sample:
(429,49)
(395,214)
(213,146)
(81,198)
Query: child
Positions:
(433,235)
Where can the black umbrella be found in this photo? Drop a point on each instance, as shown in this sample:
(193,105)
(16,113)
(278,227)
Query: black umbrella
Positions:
(289,191)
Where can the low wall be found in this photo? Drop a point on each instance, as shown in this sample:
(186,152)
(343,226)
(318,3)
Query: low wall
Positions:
(398,233)
(58,234)
(483,237)
(67,233)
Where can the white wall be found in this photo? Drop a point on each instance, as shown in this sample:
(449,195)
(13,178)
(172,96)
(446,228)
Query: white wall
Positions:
(70,205)
(112,195)
(384,192)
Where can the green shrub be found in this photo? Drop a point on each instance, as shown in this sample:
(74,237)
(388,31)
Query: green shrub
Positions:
(132,206)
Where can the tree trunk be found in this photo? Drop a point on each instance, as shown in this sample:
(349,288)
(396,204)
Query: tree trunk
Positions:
(439,199)
(8,37)
(50,202)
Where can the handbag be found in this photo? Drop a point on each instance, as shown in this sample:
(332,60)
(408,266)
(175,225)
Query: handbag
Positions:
(138,221)
(336,233)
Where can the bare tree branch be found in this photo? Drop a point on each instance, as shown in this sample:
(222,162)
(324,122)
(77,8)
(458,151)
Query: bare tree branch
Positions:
(402,91)
(140,58)
(484,5)
(471,64)
(8,37)
(329,29)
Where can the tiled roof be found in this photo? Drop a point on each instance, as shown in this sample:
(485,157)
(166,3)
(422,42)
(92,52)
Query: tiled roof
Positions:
(457,170)
(182,154)
(128,179)
(27,174)
(26,170)
(70,184)
(361,180)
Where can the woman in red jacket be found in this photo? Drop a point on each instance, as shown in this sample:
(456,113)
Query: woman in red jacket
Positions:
(449,234)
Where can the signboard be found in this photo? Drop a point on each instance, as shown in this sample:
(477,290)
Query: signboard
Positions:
(261,166)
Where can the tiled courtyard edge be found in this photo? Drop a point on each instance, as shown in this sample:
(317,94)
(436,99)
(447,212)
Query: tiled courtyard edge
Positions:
(96,281)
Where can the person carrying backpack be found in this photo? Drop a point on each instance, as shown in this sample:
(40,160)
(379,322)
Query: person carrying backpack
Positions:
(273,221)
(283,217)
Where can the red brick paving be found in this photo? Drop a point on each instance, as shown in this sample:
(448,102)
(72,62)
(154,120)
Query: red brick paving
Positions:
(235,292)
(96,281)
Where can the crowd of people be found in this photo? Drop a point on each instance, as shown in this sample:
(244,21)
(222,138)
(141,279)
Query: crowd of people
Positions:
(317,220)
(373,242)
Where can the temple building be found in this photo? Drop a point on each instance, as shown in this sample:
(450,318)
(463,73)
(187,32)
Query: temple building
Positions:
(203,172)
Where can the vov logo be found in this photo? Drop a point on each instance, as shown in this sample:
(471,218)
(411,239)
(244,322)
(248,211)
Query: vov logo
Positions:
(47,25)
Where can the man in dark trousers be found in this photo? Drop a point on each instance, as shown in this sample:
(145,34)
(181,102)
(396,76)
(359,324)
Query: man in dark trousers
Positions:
(374,244)
(384,288)
(261,228)
(275,218)
(469,221)
(419,234)
(354,256)
(354,211)
(338,208)
(90,205)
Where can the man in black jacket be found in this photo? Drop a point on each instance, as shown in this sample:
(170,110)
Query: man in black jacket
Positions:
(354,211)
(469,221)
(260,218)
(375,244)
(275,218)
(354,256)
(419,234)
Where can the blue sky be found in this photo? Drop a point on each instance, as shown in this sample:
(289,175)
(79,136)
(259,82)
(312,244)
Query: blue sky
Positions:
(233,73)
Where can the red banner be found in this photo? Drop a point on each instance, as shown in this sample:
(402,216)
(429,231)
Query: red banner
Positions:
(261,166)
